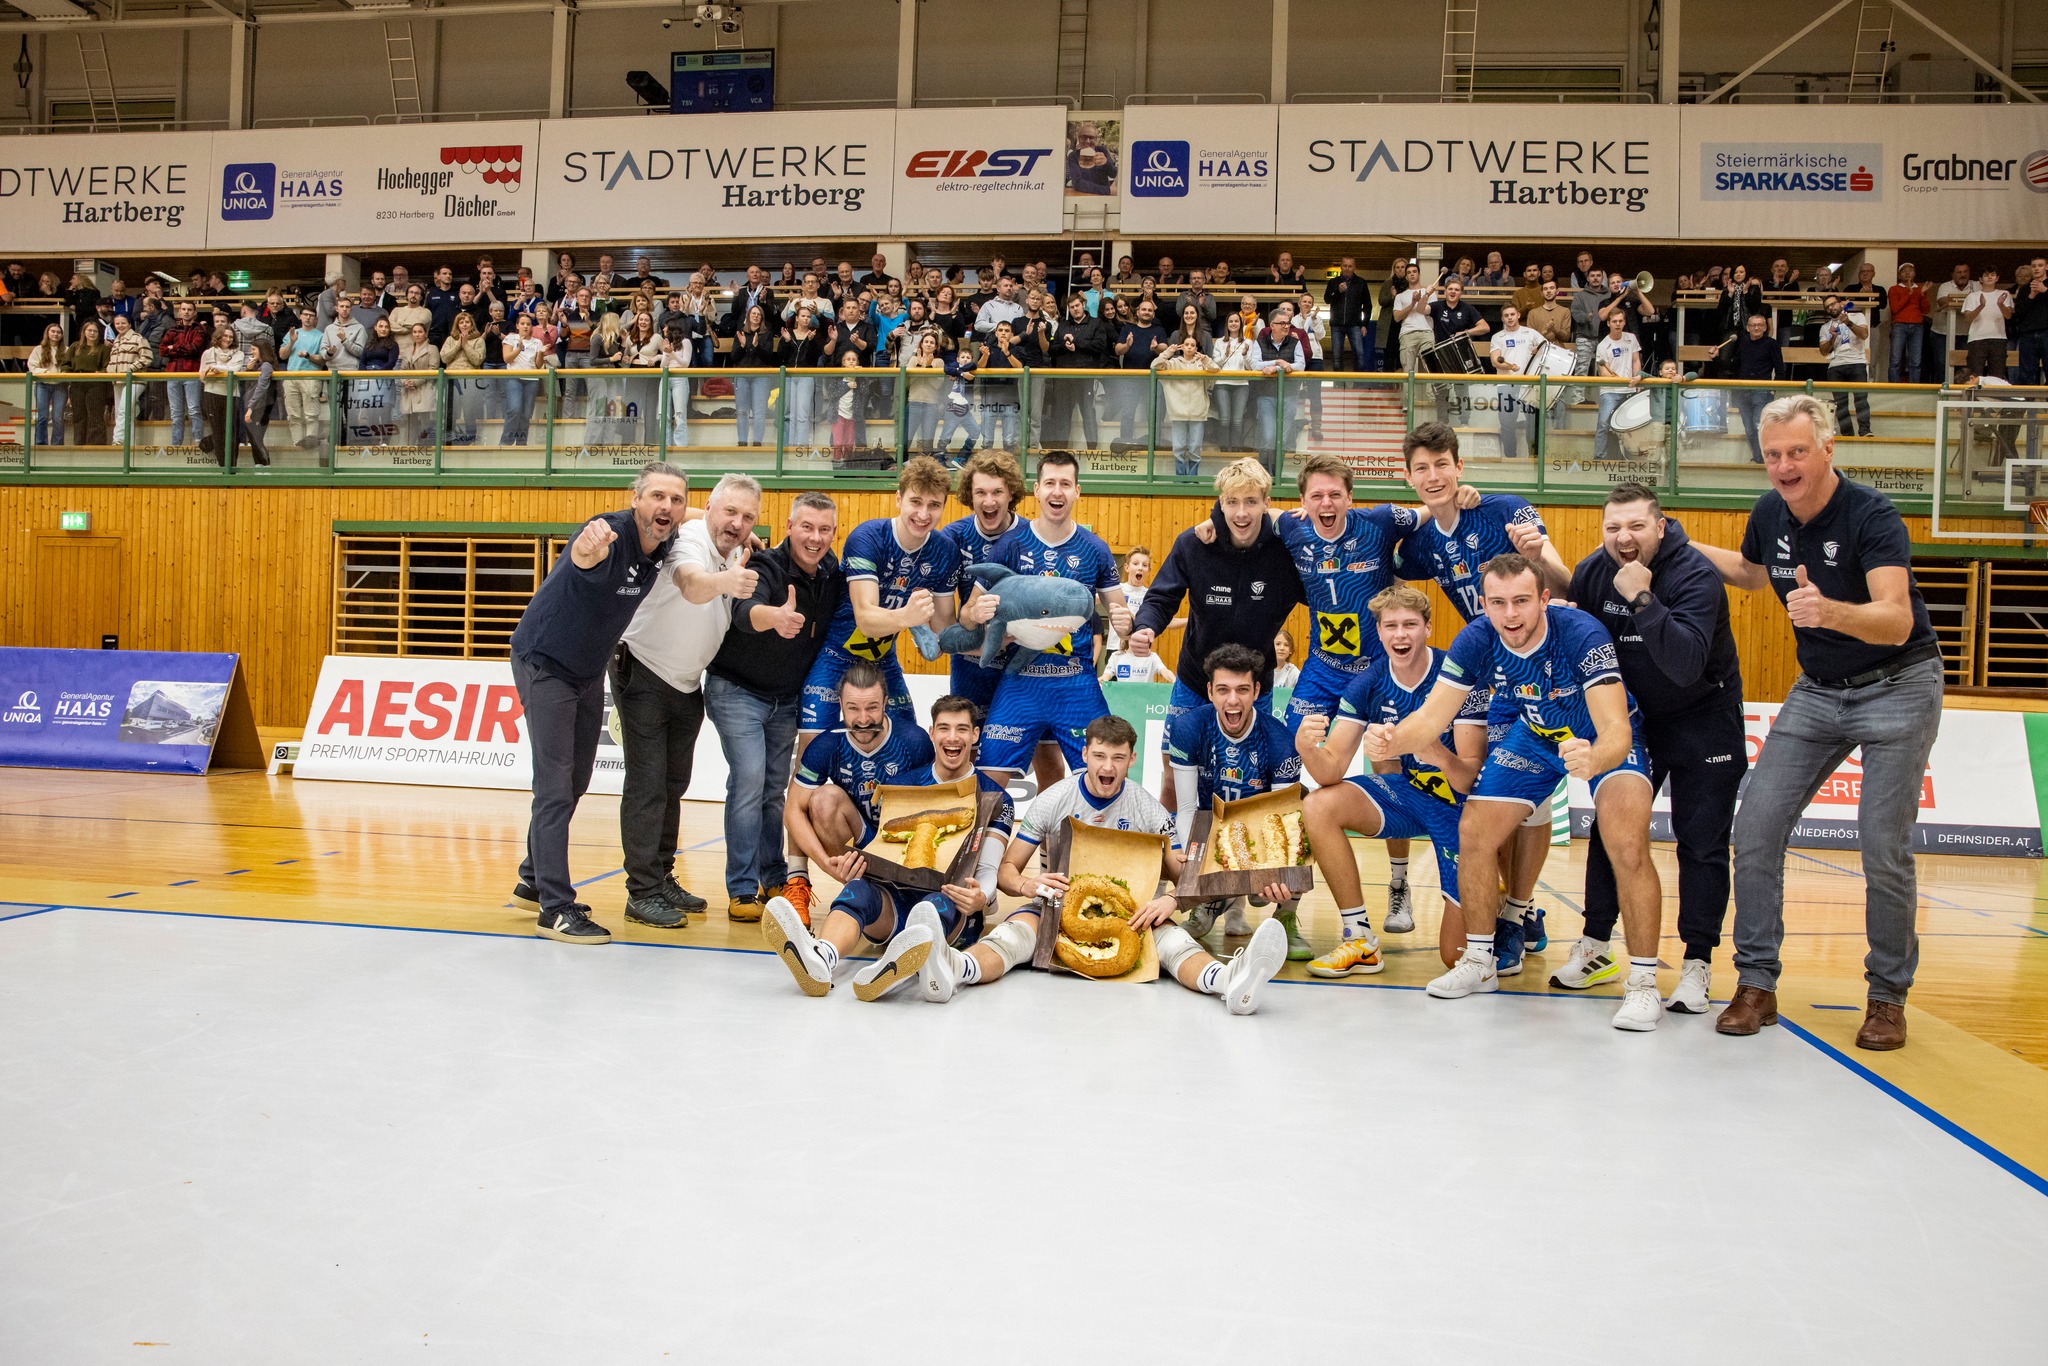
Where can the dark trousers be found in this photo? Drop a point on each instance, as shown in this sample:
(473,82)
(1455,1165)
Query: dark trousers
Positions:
(659,726)
(1703,754)
(563,720)
(1986,357)
(1851,374)
(2033,358)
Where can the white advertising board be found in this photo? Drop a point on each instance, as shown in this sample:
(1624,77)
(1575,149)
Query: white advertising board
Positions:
(116,192)
(979,170)
(1924,173)
(355,187)
(1200,168)
(1977,797)
(717,176)
(1575,172)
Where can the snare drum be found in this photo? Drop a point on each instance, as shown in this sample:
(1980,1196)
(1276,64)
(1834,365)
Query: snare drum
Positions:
(1633,426)
(1552,360)
(1706,410)
(1453,357)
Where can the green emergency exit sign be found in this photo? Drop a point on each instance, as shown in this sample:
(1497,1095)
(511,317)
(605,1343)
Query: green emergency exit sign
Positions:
(74,521)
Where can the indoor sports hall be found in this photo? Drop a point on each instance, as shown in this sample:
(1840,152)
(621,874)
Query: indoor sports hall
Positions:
(1503,546)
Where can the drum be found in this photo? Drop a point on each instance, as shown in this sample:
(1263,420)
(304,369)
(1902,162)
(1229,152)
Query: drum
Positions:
(1633,426)
(1453,357)
(1706,410)
(1553,360)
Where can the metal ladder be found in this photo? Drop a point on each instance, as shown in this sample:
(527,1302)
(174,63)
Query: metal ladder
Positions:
(103,107)
(1072,73)
(1098,249)
(1872,59)
(1461,49)
(404,70)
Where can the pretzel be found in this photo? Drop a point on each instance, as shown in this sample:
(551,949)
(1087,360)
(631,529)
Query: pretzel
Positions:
(923,830)
(1096,938)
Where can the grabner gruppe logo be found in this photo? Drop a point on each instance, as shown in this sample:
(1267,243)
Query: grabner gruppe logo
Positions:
(2034,171)
(27,710)
(248,190)
(1159,170)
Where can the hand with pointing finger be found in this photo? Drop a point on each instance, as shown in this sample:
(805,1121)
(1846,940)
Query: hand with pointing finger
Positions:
(1806,605)
(787,620)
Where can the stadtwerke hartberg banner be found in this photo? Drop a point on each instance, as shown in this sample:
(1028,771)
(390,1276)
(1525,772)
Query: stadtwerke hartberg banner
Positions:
(105,192)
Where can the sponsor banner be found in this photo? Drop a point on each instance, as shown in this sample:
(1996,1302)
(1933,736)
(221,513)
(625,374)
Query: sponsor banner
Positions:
(1475,171)
(718,176)
(979,170)
(1094,154)
(125,192)
(133,710)
(1978,795)
(334,187)
(1928,173)
(1200,166)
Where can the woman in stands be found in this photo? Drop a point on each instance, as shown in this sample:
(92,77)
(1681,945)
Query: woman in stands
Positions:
(416,391)
(48,359)
(806,351)
(947,314)
(373,404)
(88,356)
(756,346)
(925,391)
(462,356)
(673,350)
(255,399)
(221,360)
(1235,354)
(127,353)
(1191,325)
(604,401)
(641,350)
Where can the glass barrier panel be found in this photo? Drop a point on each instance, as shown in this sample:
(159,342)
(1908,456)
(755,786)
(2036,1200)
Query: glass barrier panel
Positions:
(1601,432)
(1717,447)
(996,398)
(375,420)
(1995,438)
(488,421)
(163,433)
(1884,437)
(1359,420)
(73,423)
(607,419)
(1124,418)
(292,425)
(17,422)
(804,412)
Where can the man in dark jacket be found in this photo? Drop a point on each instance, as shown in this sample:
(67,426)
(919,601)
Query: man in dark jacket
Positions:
(1239,588)
(1350,299)
(1756,357)
(1664,604)
(1078,343)
(753,692)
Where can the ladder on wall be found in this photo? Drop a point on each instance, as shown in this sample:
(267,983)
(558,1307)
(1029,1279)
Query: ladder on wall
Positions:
(1098,249)
(1872,58)
(404,71)
(1461,49)
(1072,73)
(103,107)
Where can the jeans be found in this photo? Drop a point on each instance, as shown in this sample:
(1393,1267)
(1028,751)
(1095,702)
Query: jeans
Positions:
(126,399)
(797,399)
(1517,415)
(759,740)
(959,422)
(1908,340)
(1752,402)
(1070,396)
(1358,342)
(659,726)
(678,410)
(1187,447)
(519,397)
(2033,358)
(1230,400)
(50,401)
(999,420)
(184,397)
(1851,374)
(1611,398)
(1895,721)
(750,398)
(1702,754)
(562,724)
(924,425)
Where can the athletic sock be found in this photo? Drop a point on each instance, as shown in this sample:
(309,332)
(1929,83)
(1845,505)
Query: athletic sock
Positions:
(1481,943)
(1211,980)
(1399,877)
(799,865)
(828,953)
(1518,910)
(1356,925)
(1642,967)
(970,968)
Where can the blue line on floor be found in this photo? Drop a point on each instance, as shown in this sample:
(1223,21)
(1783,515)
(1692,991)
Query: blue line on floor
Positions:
(1928,1113)
(1817,1006)
(715,839)
(599,878)
(2031,930)
(186,883)
(116,896)
(236,872)
(1577,909)
(283,861)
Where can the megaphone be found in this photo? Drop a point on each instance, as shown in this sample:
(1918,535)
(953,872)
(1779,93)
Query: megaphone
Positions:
(1644,282)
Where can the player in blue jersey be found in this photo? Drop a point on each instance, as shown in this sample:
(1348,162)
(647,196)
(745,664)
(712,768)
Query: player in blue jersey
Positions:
(915,924)
(1420,796)
(1449,546)
(991,486)
(1557,666)
(1230,748)
(831,806)
(1056,696)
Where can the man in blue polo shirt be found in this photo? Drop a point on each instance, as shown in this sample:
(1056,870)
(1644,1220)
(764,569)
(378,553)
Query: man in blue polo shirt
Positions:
(1838,556)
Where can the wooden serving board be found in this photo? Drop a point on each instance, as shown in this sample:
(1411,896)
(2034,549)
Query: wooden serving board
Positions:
(1139,859)
(955,853)
(1204,879)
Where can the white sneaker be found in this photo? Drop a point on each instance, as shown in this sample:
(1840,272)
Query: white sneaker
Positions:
(940,976)
(1252,966)
(1473,975)
(1235,926)
(1695,985)
(1590,964)
(1400,910)
(791,941)
(900,964)
(1641,1007)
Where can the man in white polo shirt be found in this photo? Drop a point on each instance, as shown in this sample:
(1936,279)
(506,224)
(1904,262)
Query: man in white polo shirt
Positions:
(1514,346)
(658,691)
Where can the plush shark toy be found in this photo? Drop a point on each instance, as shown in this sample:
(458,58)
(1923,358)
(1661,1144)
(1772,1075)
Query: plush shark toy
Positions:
(1036,613)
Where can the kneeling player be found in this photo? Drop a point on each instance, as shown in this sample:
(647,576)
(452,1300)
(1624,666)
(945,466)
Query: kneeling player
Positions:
(913,923)
(1231,748)
(1557,665)
(1420,797)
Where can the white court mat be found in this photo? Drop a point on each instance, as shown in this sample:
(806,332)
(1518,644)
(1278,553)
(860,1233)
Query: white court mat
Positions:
(248,1141)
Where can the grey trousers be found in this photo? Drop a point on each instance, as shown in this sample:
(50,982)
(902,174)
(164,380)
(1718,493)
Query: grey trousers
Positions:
(659,726)
(1895,722)
(562,724)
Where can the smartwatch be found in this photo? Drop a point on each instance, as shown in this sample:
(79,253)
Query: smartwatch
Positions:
(1640,601)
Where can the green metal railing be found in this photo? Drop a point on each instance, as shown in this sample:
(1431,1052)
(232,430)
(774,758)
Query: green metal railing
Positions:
(1566,440)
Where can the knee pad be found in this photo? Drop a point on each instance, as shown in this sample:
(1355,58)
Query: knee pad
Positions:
(1175,947)
(948,913)
(1013,942)
(863,901)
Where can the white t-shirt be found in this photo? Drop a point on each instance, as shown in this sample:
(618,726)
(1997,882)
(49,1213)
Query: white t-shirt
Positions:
(1285,676)
(1127,666)
(1134,597)
(672,635)
(1989,324)
(1951,290)
(1622,355)
(1850,349)
(1133,808)
(1417,321)
(1511,350)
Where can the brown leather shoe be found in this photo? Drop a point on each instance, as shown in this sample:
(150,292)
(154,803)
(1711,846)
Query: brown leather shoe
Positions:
(1884,1027)
(1751,1010)
(743,908)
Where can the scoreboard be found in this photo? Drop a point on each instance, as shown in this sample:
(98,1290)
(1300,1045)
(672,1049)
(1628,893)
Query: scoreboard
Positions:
(734,81)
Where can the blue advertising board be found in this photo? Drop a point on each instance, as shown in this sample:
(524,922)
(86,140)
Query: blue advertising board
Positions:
(135,710)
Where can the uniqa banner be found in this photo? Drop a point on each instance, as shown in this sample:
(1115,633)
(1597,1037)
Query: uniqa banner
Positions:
(133,710)
(979,170)
(1474,171)
(131,192)
(1980,794)
(718,176)
(336,188)
(1212,166)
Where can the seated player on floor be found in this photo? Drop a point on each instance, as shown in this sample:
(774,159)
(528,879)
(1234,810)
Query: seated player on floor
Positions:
(914,923)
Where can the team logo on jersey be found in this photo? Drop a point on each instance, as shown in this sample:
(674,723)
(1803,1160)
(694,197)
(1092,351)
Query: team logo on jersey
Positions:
(1361,566)
(1833,548)
(1326,566)
(1459,571)
(1528,692)
(1073,561)
(1337,632)
(1556,693)
(862,646)
(1784,547)
(1472,539)
(1233,774)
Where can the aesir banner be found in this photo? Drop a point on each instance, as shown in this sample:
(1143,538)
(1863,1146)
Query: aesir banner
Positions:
(1577,172)
(135,710)
(718,176)
(118,192)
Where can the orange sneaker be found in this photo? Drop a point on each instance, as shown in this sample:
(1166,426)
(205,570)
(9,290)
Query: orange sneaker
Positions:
(796,891)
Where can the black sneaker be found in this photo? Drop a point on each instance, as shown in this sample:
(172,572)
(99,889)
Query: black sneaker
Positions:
(526,899)
(655,911)
(680,897)
(571,926)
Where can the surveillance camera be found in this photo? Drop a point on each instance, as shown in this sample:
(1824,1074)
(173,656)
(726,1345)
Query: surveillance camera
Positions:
(666,22)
